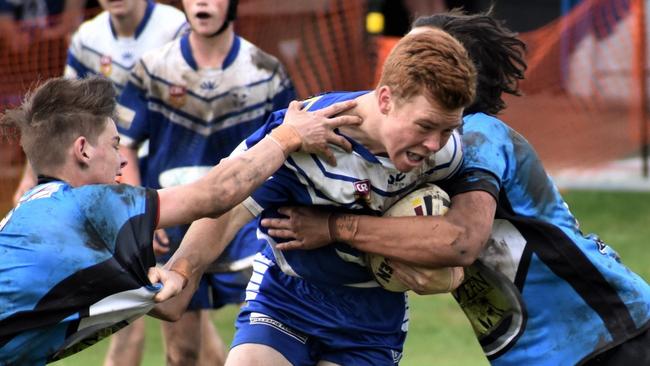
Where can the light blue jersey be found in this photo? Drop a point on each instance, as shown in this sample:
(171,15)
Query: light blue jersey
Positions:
(73,268)
(541,290)
(324,304)
(195,116)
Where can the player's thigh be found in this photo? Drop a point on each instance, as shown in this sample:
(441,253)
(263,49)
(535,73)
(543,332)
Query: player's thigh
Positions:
(255,354)
(327,363)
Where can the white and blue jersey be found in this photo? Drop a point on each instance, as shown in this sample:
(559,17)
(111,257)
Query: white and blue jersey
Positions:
(96,49)
(329,293)
(361,183)
(195,116)
(540,290)
(73,265)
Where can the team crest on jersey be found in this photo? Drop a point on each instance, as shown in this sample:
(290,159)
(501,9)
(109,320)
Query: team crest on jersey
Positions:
(177,95)
(362,191)
(106,65)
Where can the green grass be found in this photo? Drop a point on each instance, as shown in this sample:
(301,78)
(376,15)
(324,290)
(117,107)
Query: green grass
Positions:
(439,333)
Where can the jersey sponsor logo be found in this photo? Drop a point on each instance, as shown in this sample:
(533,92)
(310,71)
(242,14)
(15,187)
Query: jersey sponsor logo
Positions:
(177,95)
(362,190)
(128,56)
(397,356)
(106,65)
(397,178)
(208,85)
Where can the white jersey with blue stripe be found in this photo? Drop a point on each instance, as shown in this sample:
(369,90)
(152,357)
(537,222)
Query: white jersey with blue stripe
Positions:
(361,182)
(97,49)
(195,116)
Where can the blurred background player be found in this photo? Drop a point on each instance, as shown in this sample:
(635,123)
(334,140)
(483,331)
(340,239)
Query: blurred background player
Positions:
(109,45)
(77,249)
(526,281)
(112,42)
(323,306)
(196,99)
(24,21)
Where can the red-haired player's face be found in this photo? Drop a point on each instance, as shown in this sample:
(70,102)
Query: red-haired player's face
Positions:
(414,129)
(206,16)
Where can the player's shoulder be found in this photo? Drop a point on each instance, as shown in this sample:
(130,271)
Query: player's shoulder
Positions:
(93,29)
(258,57)
(482,122)
(156,58)
(167,16)
(327,99)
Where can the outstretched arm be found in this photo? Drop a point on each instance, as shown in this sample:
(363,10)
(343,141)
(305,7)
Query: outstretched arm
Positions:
(455,239)
(235,178)
(201,245)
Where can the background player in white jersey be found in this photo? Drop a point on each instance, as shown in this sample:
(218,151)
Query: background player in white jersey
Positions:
(77,260)
(323,306)
(109,45)
(196,98)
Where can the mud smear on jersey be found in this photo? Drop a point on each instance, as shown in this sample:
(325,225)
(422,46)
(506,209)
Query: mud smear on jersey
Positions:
(92,238)
(263,61)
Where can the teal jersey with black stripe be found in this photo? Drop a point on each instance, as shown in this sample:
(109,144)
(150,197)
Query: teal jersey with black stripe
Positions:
(73,268)
(541,292)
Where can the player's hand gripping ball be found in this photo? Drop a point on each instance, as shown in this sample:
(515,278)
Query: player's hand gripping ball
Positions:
(429,200)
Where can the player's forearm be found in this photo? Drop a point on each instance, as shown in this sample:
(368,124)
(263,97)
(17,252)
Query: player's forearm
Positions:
(426,241)
(235,178)
(455,239)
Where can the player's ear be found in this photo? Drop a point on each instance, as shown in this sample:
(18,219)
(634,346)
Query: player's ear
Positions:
(384,99)
(81,150)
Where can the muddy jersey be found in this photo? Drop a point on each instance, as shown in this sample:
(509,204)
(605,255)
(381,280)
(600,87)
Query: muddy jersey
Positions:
(73,265)
(541,290)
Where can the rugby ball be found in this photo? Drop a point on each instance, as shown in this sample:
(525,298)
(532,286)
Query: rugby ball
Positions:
(429,200)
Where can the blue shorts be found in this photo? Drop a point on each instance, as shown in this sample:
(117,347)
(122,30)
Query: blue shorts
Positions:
(219,289)
(308,323)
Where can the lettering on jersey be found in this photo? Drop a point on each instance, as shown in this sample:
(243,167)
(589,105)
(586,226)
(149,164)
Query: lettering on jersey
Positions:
(261,319)
(89,341)
(362,190)
(106,65)
(177,95)
(486,304)
(397,178)
(397,356)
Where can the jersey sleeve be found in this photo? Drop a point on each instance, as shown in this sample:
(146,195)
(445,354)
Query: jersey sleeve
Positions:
(132,108)
(486,146)
(124,219)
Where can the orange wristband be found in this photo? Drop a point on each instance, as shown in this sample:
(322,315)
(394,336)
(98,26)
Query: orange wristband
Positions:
(183,268)
(287,137)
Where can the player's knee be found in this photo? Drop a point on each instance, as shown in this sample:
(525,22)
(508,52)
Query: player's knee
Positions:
(182,354)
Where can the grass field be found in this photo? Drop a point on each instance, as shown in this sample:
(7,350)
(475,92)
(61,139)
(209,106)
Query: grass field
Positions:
(439,333)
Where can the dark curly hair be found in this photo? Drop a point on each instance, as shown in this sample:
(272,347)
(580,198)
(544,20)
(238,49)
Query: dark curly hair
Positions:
(497,53)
